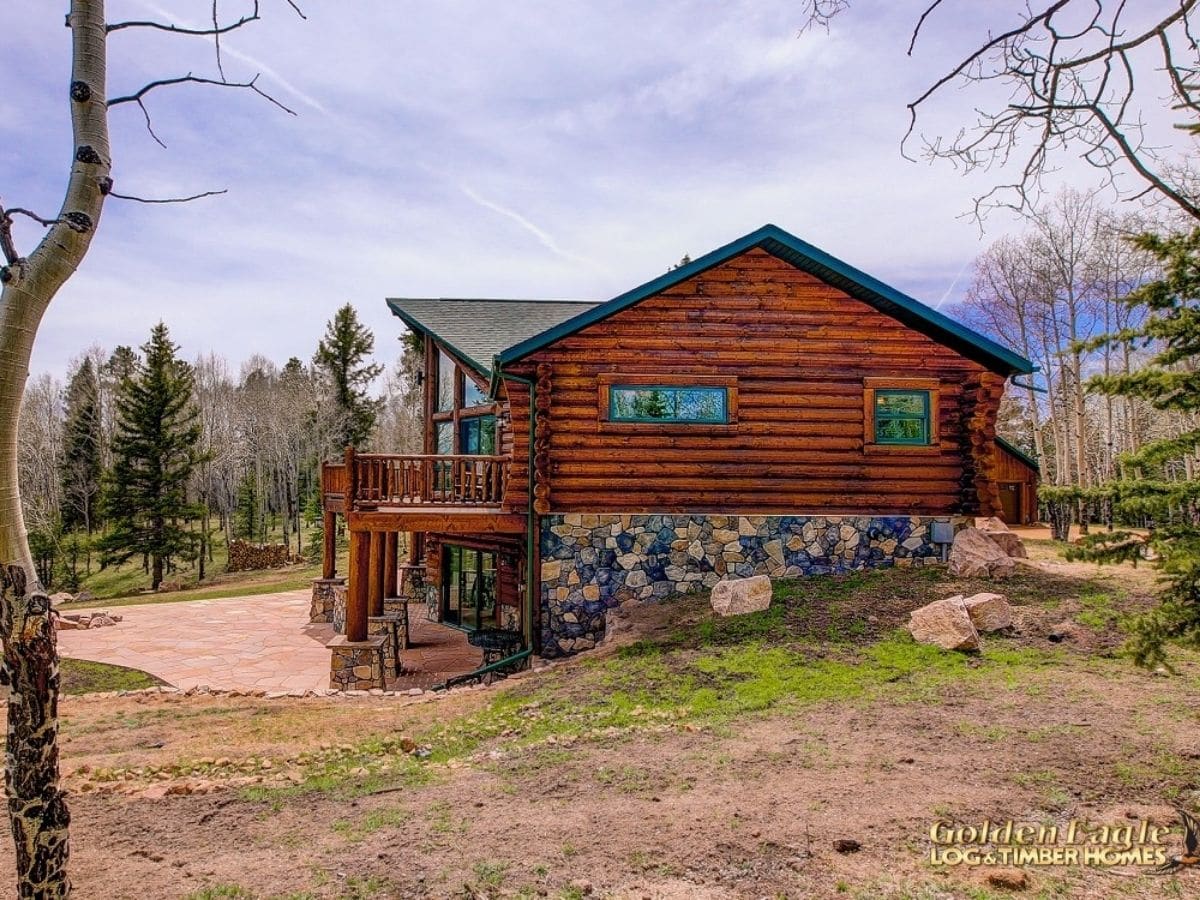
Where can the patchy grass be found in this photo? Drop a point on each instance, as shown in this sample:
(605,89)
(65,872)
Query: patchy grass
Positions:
(356,830)
(81,676)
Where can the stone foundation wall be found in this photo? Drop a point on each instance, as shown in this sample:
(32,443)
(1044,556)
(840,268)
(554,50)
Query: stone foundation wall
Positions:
(594,563)
(356,665)
(323,598)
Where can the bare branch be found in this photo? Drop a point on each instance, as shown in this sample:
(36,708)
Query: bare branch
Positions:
(189,78)
(921,21)
(217,36)
(149,127)
(18,211)
(167,199)
(7,247)
(216,30)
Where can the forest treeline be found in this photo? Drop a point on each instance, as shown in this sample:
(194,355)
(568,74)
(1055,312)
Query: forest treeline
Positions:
(144,454)
(1052,292)
(247,461)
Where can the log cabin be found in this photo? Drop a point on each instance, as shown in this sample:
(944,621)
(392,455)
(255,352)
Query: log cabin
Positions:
(1017,481)
(763,409)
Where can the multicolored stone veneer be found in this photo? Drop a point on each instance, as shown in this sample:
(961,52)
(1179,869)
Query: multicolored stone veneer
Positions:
(594,563)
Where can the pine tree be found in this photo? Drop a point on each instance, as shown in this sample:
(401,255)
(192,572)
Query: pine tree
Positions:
(1160,483)
(342,359)
(81,469)
(154,454)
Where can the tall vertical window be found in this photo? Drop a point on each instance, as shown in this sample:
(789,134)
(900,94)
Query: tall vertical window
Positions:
(902,417)
(445,438)
(445,383)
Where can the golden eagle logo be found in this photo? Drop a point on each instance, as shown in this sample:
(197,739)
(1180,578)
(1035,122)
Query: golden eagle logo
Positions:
(1191,845)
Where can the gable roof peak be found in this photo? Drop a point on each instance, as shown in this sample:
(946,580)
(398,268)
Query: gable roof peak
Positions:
(808,258)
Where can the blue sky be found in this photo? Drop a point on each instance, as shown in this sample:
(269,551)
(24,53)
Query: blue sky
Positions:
(528,149)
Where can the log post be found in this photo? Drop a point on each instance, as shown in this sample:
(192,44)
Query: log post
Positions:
(351,479)
(391,563)
(375,579)
(329,554)
(356,586)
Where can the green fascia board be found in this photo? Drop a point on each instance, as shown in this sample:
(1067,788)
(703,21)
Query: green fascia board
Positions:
(817,262)
(438,339)
(1019,454)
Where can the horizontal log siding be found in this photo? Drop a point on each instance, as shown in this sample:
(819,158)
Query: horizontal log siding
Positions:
(800,350)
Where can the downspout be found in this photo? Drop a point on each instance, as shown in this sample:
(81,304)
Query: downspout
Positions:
(530,527)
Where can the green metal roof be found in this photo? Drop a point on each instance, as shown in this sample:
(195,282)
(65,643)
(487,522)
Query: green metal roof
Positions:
(808,258)
(477,330)
(1018,453)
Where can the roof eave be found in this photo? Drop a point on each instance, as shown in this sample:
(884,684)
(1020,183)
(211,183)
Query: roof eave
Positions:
(415,325)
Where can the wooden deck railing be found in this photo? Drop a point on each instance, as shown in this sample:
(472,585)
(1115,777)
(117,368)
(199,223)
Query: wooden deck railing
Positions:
(371,480)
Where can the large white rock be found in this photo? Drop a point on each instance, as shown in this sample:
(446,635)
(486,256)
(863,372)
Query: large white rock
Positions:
(736,596)
(1008,541)
(989,612)
(945,623)
(975,555)
(990,523)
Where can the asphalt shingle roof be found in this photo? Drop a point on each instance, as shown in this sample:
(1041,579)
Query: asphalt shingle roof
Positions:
(477,330)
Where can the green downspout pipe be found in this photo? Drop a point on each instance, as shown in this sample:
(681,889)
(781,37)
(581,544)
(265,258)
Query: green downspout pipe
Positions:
(531,533)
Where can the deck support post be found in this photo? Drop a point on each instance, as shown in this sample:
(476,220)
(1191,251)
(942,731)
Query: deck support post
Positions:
(375,578)
(391,563)
(356,586)
(329,554)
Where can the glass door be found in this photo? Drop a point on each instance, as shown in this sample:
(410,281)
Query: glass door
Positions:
(469,588)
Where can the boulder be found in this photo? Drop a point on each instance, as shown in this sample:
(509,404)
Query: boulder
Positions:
(736,596)
(1008,541)
(168,587)
(991,523)
(989,612)
(65,624)
(61,597)
(84,597)
(975,555)
(945,623)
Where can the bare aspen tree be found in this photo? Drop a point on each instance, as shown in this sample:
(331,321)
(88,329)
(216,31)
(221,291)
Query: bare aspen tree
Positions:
(37,811)
(1082,78)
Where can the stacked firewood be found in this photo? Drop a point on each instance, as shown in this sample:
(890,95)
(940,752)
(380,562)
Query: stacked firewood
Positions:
(244,556)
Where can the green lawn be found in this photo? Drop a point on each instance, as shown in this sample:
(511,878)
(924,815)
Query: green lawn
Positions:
(128,584)
(81,676)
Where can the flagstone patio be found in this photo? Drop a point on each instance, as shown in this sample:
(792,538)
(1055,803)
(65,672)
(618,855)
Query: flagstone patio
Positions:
(250,643)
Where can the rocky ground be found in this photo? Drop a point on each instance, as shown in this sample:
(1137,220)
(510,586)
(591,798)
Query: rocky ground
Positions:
(800,752)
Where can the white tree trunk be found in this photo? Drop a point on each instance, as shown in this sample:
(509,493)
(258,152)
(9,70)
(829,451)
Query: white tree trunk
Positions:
(37,813)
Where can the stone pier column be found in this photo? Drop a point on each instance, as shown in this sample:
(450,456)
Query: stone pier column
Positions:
(356,665)
(323,593)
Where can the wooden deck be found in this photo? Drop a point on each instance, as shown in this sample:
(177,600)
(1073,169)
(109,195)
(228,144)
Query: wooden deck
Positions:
(381,495)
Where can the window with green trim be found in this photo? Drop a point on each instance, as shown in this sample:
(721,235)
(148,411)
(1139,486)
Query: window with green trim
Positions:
(902,417)
(667,403)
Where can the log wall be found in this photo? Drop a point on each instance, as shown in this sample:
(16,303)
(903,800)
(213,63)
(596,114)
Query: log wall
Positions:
(800,350)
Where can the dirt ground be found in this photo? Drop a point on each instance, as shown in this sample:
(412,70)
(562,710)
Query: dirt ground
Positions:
(570,782)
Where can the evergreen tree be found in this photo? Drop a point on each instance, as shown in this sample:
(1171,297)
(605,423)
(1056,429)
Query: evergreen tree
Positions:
(342,358)
(1160,484)
(81,470)
(154,454)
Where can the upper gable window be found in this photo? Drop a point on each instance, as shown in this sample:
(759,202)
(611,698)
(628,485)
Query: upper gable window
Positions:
(445,383)
(902,417)
(668,403)
(472,395)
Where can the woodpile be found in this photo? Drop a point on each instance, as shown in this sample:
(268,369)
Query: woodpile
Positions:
(244,556)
